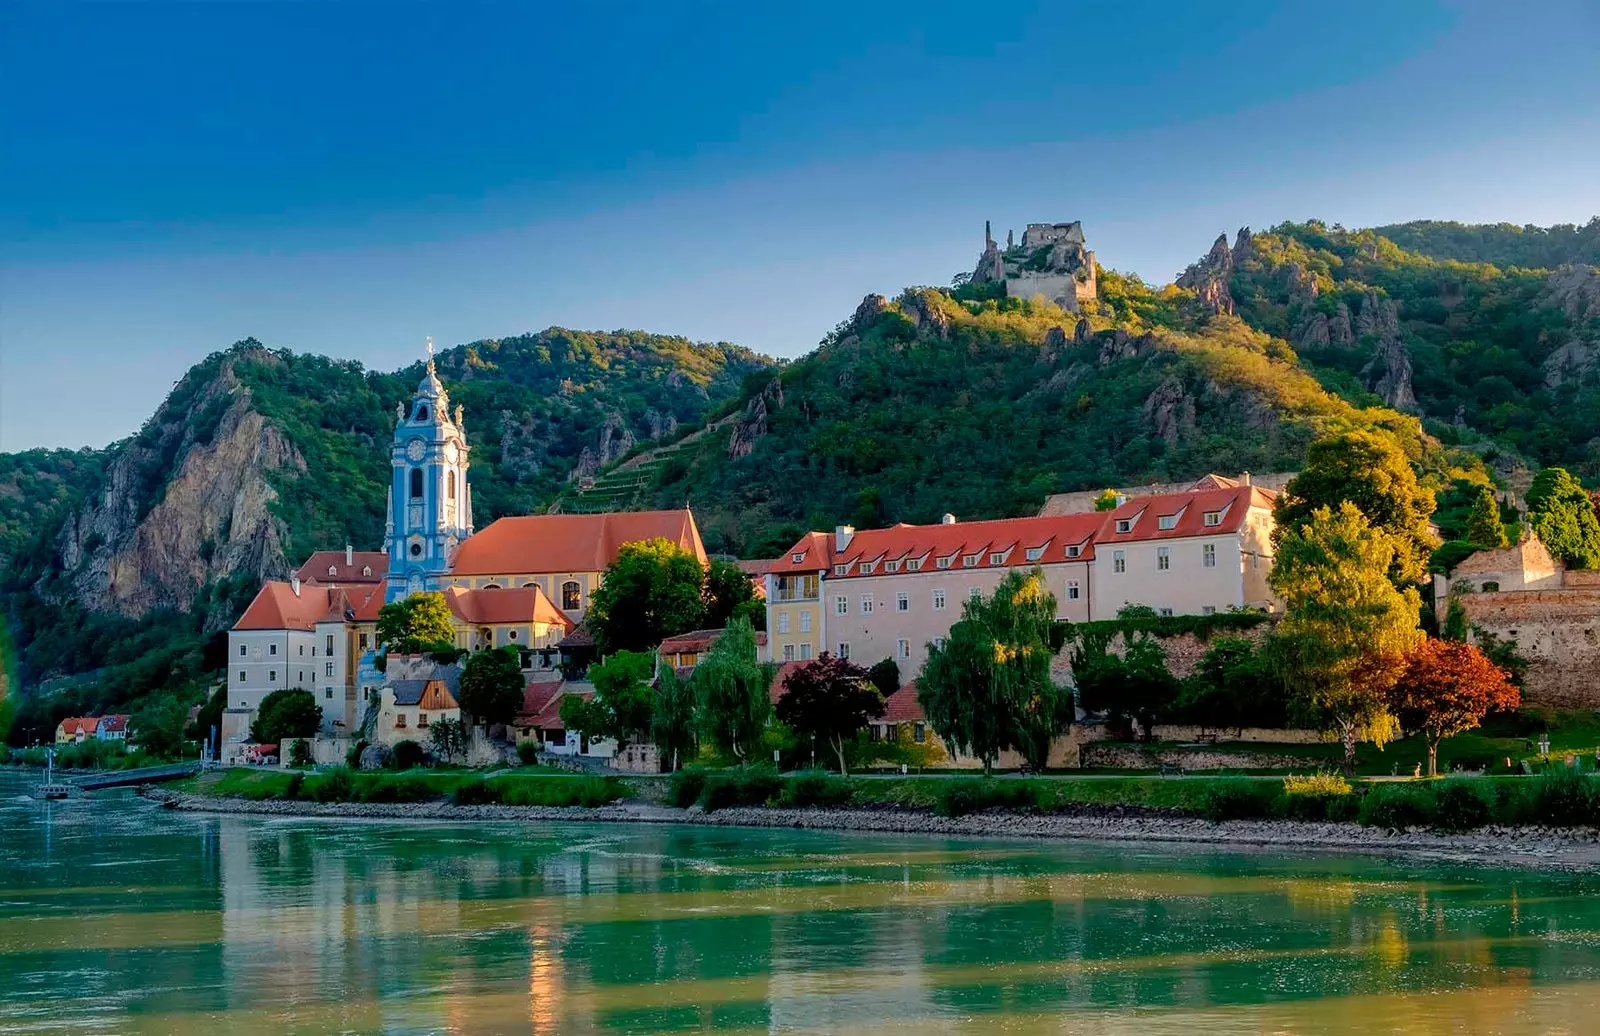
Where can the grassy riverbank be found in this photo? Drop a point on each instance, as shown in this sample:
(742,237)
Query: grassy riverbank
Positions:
(1555,799)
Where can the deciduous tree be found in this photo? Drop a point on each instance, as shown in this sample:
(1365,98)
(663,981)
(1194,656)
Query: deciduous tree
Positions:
(830,699)
(672,718)
(730,690)
(447,738)
(653,590)
(1369,471)
(492,684)
(1563,516)
(1448,687)
(988,687)
(1348,630)
(287,713)
(728,593)
(419,623)
(622,703)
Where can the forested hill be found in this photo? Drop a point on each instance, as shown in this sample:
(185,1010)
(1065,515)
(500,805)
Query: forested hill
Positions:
(1502,244)
(125,559)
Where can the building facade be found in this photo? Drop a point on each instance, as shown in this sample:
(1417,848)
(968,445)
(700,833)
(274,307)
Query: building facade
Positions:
(430,503)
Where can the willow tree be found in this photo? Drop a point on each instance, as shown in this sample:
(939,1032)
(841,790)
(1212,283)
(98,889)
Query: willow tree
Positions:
(672,716)
(987,688)
(1348,631)
(730,692)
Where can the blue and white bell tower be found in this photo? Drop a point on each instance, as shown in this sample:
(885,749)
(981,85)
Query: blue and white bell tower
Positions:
(430,503)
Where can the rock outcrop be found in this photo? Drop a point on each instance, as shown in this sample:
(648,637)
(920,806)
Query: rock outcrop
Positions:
(184,504)
(1169,411)
(1209,277)
(615,440)
(1388,374)
(753,425)
(1576,289)
(1575,361)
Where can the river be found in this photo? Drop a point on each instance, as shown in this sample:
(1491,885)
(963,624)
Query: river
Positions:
(119,917)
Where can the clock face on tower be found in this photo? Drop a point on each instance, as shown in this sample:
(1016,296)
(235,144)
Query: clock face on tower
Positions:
(415,449)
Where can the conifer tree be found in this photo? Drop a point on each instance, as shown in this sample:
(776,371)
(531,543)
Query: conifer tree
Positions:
(1484,527)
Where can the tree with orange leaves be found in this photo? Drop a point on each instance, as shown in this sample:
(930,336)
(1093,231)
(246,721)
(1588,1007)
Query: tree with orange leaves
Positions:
(1448,687)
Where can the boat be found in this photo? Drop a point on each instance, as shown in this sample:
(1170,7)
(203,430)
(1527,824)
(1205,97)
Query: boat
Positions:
(52,788)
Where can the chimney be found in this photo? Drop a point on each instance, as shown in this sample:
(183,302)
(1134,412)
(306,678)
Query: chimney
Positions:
(842,534)
(1244,479)
(349,554)
(294,584)
(947,519)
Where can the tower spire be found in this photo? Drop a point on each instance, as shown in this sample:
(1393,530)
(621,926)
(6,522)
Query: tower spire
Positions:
(430,354)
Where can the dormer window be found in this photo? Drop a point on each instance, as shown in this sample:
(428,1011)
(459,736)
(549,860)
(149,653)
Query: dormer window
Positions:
(891,566)
(970,561)
(944,562)
(867,567)
(840,570)
(1073,550)
(1035,553)
(798,558)
(1167,521)
(1124,524)
(366,570)
(914,565)
(1213,518)
(333,570)
(997,558)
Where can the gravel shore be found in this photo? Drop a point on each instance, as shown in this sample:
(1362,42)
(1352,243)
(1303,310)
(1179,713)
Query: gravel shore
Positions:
(1543,848)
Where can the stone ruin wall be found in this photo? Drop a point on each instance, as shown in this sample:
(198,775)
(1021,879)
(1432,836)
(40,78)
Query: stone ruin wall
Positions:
(1557,631)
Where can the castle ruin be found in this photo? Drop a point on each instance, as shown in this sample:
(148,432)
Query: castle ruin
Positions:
(1051,261)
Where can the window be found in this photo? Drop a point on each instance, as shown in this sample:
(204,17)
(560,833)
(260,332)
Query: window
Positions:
(272,676)
(844,649)
(798,558)
(330,644)
(241,650)
(362,641)
(938,600)
(416,550)
(1163,558)
(788,652)
(805,652)
(416,483)
(1491,587)
(511,635)
(328,694)
(914,565)
(1209,609)
(997,558)
(1035,553)
(1119,561)
(302,648)
(450,485)
(1167,521)
(571,595)
(1208,555)
(805,622)
(1072,590)
(366,570)
(866,604)
(868,567)
(970,561)
(422,412)
(333,570)
(327,670)
(1164,612)
(840,570)
(902,648)
(783,622)
(974,593)
(242,676)
(902,602)
(943,562)
(891,566)
(272,649)
(1073,550)
(919,733)
(1124,524)
(1212,518)
(841,605)
(938,642)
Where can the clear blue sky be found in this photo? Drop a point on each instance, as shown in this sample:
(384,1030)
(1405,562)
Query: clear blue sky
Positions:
(347,178)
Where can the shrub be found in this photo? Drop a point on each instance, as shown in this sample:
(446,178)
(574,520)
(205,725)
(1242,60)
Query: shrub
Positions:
(684,787)
(745,786)
(300,752)
(352,758)
(1461,804)
(407,754)
(401,789)
(528,752)
(597,791)
(815,788)
(1318,797)
(963,795)
(475,791)
(1564,798)
(335,786)
(1238,800)
(1397,807)
(295,787)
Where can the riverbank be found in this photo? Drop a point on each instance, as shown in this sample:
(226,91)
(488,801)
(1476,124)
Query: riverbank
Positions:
(1531,847)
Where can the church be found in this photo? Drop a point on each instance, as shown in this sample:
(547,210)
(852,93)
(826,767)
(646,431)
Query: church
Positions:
(523,581)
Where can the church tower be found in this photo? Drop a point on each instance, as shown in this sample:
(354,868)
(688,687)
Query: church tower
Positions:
(430,503)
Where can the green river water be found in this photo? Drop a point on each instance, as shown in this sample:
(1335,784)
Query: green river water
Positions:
(117,917)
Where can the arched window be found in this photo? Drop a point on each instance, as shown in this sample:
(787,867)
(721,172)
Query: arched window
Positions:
(366,570)
(333,570)
(491,586)
(450,485)
(416,483)
(571,595)
(422,412)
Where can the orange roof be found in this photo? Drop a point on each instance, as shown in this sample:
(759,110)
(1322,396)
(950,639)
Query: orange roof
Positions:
(758,568)
(569,542)
(700,641)
(549,717)
(113,724)
(1186,511)
(73,724)
(278,607)
(1014,538)
(903,707)
(535,696)
(508,604)
(329,567)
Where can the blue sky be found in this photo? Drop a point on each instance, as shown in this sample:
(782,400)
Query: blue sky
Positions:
(347,178)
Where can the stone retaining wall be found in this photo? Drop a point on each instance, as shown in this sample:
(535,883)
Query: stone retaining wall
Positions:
(1557,631)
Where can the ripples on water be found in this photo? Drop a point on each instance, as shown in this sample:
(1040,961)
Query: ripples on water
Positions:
(119,918)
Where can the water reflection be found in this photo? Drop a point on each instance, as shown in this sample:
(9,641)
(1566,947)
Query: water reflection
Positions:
(116,917)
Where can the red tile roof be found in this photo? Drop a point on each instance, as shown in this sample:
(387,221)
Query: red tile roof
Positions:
(535,696)
(113,724)
(1188,511)
(760,567)
(509,604)
(277,607)
(902,706)
(700,641)
(73,724)
(549,717)
(1013,537)
(569,542)
(328,566)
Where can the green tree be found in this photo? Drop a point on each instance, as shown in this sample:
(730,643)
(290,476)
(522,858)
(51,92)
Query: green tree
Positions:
(988,688)
(492,684)
(1138,684)
(1369,471)
(1107,500)
(1232,686)
(829,699)
(209,718)
(419,623)
(1484,527)
(1563,517)
(623,701)
(653,590)
(158,727)
(286,714)
(885,676)
(447,738)
(1348,630)
(729,592)
(672,720)
(730,690)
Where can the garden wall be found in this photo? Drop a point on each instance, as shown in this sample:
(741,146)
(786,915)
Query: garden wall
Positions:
(1557,631)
